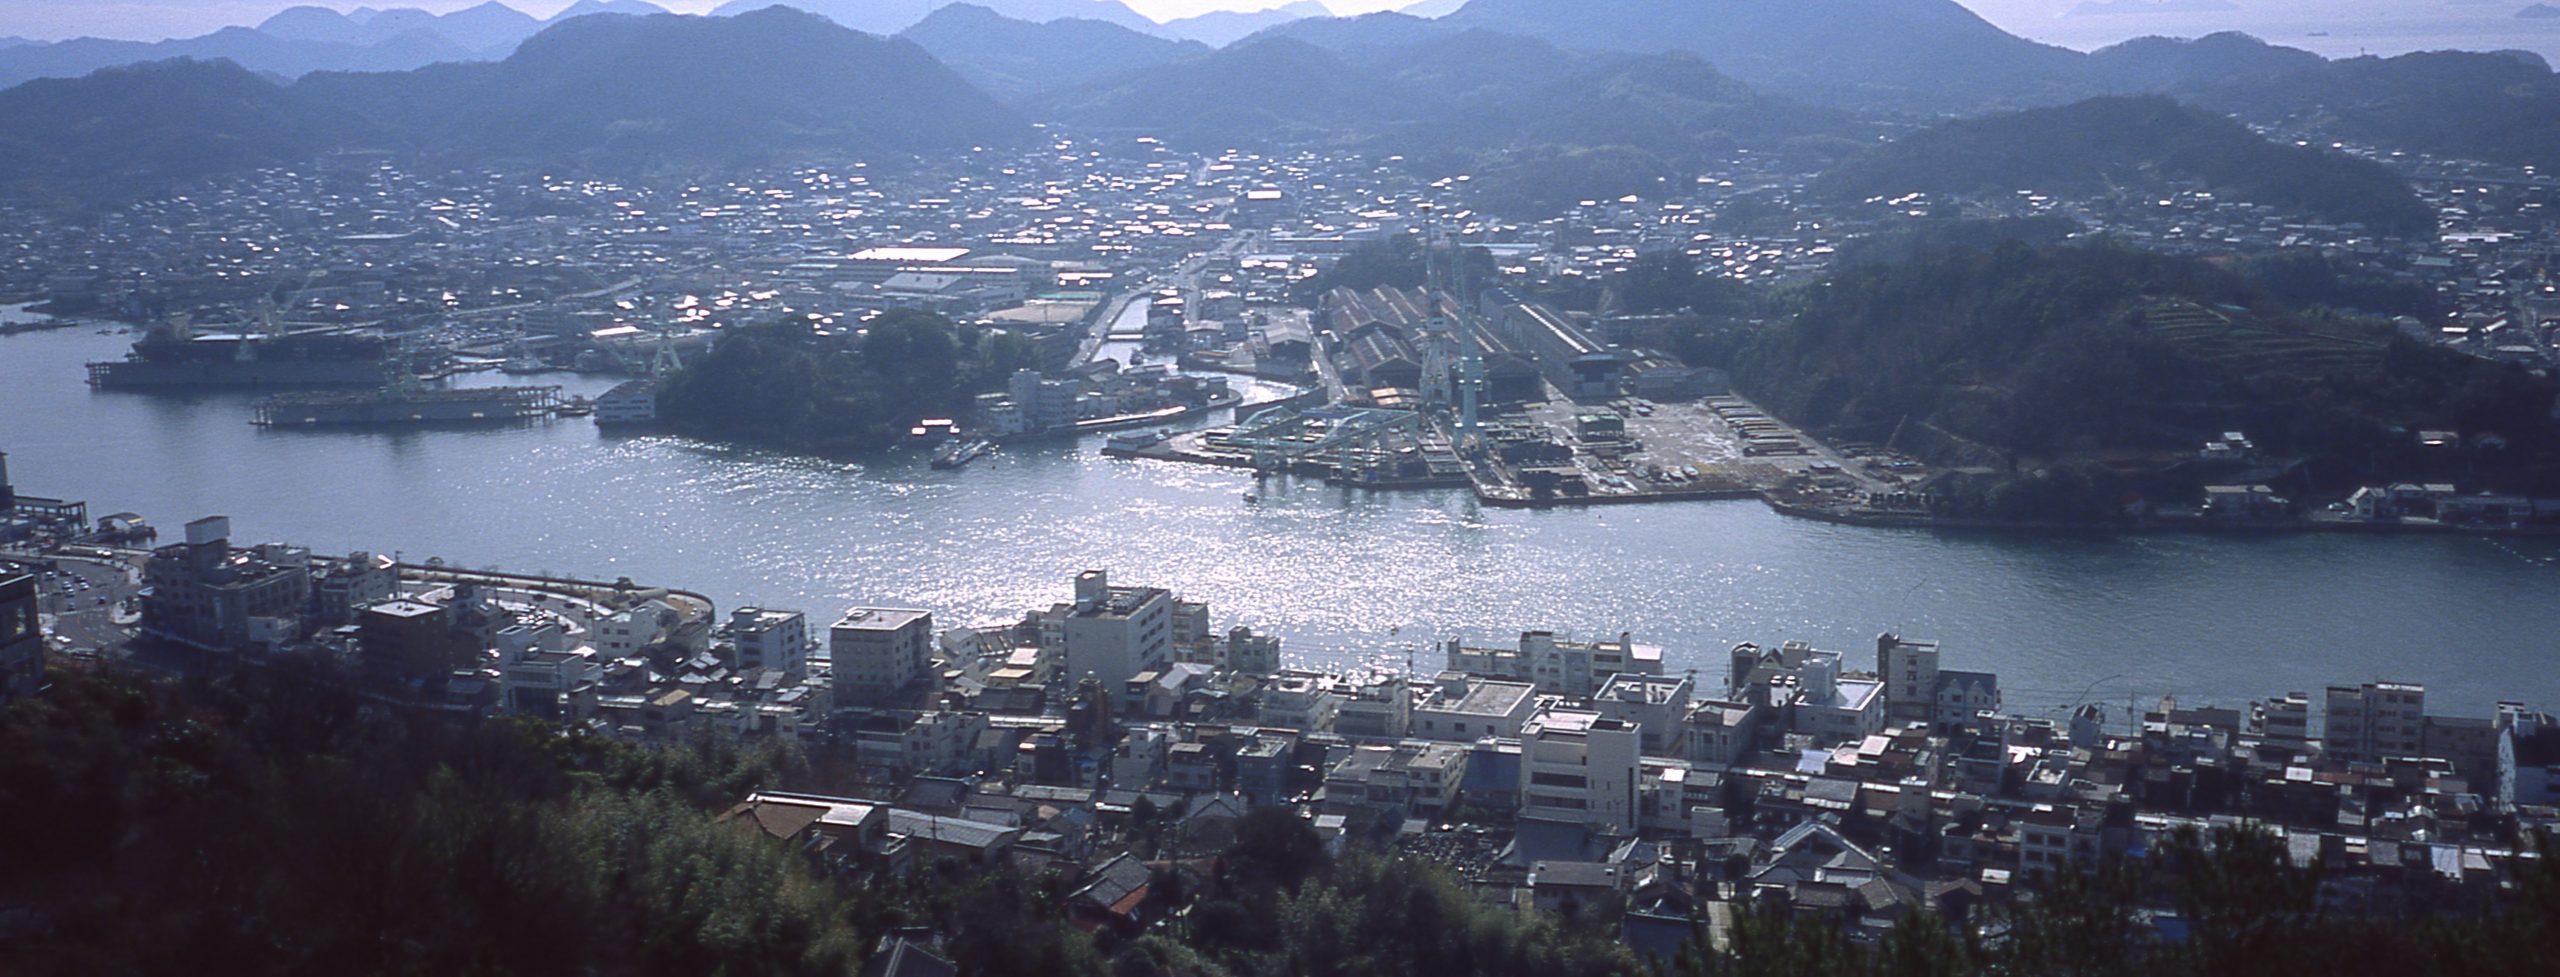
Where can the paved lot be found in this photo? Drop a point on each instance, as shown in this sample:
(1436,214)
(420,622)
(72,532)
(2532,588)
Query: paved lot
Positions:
(86,605)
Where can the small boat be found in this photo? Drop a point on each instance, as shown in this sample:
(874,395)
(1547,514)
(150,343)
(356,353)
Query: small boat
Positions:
(1252,498)
(1135,441)
(958,453)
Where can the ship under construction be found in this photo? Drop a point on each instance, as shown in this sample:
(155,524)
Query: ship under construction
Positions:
(397,407)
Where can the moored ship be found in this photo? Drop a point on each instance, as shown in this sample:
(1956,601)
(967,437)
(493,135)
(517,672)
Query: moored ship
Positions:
(392,407)
(174,356)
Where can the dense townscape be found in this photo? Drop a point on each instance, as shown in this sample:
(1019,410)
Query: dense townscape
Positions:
(1110,740)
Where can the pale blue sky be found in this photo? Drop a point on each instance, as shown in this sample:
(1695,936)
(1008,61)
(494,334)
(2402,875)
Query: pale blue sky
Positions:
(2279,20)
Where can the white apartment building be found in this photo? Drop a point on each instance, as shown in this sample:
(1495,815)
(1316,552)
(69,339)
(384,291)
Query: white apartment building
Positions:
(1654,704)
(1575,668)
(1577,765)
(1463,708)
(879,652)
(1113,633)
(1809,688)
(777,640)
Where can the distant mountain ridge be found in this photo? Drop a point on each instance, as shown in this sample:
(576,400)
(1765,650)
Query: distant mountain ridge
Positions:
(1220,28)
(1914,55)
(1013,59)
(600,91)
(300,40)
(886,17)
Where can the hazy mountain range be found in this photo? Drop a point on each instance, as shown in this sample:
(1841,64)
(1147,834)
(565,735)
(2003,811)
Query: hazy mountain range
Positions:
(1608,92)
(305,39)
(625,91)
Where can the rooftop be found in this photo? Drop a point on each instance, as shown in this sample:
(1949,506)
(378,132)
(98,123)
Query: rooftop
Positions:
(1481,697)
(1655,689)
(881,618)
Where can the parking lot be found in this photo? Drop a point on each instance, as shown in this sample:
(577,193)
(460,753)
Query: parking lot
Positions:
(86,604)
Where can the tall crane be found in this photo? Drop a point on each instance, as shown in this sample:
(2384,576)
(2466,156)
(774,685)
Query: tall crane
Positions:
(1450,286)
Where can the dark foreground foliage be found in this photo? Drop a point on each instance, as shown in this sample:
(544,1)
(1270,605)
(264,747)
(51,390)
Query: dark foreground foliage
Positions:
(275,824)
(2231,904)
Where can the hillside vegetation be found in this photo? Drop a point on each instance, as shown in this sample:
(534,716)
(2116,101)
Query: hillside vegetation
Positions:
(786,385)
(282,825)
(2020,356)
(1012,59)
(1536,126)
(2138,144)
(2501,107)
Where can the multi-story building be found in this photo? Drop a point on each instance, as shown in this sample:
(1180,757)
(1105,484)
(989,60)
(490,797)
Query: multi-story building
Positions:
(1915,688)
(1723,732)
(631,630)
(1654,704)
(878,653)
(205,594)
(411,640)
(772,639)
(1575,668)
(21,640)
(540,674)
(1245,651)
(342,588)
(1416,779)
(1817,698)
(1193,641)
(1579,766)
(1113,633)
(1465,708)
(2375,721)
(1304,701)
(1381,708)
(2285,720)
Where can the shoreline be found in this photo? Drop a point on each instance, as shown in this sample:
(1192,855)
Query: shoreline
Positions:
(1168,450)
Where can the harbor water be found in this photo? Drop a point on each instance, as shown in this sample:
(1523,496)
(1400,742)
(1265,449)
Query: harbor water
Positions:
(1347,576)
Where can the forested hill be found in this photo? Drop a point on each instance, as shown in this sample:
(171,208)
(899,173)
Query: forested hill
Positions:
(785,385)
(2138,144)
(1015,58)
(1538,126)
(772,82)
(2503,107)
(2077,352)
